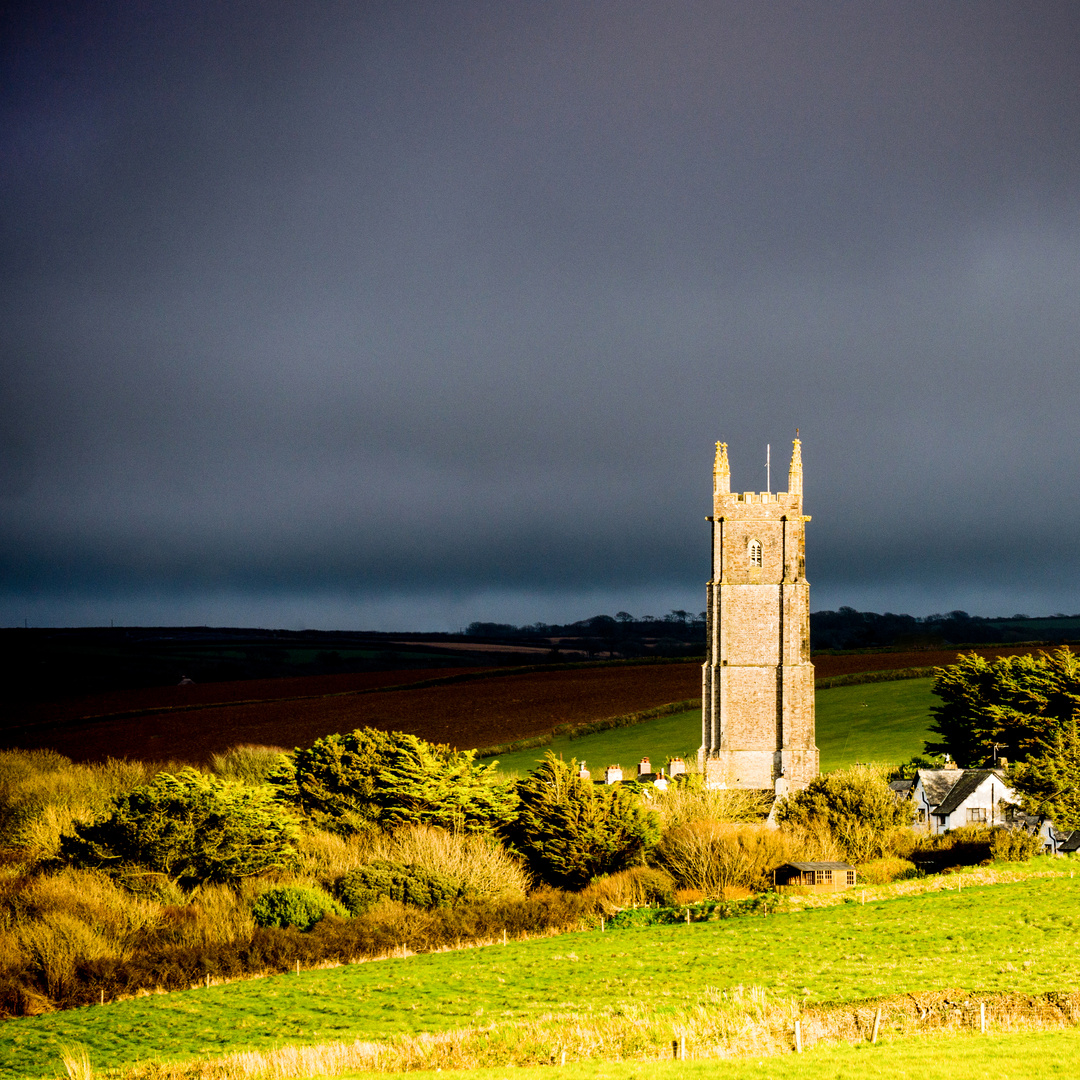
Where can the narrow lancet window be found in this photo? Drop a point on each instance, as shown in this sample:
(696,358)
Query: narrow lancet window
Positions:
(755,552)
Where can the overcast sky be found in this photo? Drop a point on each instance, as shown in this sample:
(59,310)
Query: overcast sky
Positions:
(386,316)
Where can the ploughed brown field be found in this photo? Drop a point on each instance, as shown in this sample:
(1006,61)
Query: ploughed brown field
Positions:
(466,708)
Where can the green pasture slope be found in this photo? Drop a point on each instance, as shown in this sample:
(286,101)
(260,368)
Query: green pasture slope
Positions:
(886,721)
(1045,1055)
(1022,937)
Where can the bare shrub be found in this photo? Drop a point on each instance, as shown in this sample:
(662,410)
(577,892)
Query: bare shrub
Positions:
(690,801)
(43,795)
(813,841)
(92,898)
(713,857)
(57,944)
(630,888)
(479,862)
(222,913)
(250,764)
(325,856)
(887,869)
(1014,845)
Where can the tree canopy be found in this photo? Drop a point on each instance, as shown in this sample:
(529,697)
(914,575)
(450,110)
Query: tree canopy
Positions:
(367,778)
(572,830)
(1009,706)
(191,827)
(1048,783)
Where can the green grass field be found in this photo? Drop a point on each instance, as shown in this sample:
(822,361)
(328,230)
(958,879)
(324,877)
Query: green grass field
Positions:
(886,721)
(1021,937)
(1027,1056)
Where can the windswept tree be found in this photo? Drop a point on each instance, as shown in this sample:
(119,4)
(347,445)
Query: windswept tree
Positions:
(1010,706)
(572,830)
(190,827)
(368,779)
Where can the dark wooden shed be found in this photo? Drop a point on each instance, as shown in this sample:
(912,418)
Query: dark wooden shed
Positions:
(819,876)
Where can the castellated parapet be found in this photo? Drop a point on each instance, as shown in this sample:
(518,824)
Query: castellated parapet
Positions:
(758,682)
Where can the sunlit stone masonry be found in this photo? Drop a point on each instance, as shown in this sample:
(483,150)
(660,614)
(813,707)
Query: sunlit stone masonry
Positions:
(758,682)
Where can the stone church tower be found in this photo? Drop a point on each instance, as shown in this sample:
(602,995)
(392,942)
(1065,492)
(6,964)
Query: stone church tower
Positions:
(758,683)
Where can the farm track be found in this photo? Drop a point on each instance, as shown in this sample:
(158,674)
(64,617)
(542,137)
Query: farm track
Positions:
(463,707)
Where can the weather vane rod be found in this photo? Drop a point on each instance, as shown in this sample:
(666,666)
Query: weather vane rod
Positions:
(768,468)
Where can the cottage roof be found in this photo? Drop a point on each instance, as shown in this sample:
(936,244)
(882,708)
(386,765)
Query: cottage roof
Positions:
(947,789)
(937,783)
(901,786)
(969,782)
(805,866)
(1069,841)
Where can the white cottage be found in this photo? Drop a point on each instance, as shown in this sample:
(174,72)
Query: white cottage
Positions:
(950,797)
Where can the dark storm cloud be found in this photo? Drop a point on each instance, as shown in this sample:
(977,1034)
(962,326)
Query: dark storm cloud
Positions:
(380,301)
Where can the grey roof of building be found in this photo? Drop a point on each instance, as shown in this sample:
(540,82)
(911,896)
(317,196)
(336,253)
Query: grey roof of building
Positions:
(937,783)
(1069,841)
(946,789)
(900,786)
(965,786)
(803,866)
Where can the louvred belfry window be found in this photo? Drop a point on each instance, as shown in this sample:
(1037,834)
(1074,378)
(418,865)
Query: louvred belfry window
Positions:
(755,552)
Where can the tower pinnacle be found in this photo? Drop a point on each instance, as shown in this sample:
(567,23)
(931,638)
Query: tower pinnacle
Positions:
(795,472)
(721,471)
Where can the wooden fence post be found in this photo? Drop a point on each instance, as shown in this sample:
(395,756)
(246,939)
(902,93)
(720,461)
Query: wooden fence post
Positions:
(798,1037)
(877,1024)
(982,1016)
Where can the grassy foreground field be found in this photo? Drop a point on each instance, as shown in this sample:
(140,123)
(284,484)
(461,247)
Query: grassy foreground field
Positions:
(1021,937)
(886,721)
(1027,1056)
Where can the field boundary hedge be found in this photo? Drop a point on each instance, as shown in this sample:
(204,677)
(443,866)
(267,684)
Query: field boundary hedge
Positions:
(577,731)
(885,675)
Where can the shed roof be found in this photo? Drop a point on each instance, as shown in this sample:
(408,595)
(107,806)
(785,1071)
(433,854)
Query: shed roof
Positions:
(804,866)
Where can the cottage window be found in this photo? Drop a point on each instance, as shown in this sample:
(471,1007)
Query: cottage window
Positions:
(921,817)
(851,877)
(755,552)
(976,815)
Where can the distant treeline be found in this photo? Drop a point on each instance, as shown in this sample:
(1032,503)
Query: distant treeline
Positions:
(843,629)
(679,633)
(851,629)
